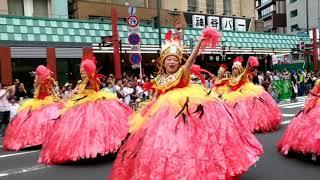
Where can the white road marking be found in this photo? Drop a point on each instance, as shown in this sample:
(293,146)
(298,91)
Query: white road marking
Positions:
(22,170)
(286,122)
(288,115)
(1,146)
(17,154)
(289,104)
(293,106)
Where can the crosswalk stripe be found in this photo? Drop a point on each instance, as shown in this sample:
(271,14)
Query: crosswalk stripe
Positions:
(289,104)
(293,106)
(286,122)
(288,115)
(22,170)
(16,154)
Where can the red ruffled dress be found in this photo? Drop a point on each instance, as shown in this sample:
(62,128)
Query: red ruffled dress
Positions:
(33,121)
(254,106)
(92,123)
(185,134)
(303,133)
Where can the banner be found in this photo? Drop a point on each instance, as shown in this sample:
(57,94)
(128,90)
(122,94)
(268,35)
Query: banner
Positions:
(283,88)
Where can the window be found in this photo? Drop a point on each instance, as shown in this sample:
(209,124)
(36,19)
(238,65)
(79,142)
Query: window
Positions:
(40,8)
(227,7)
(15,7)
(267,11)
(294,13)
(192,5)
(292,1)
(294,27)
(210,6)
(265,1)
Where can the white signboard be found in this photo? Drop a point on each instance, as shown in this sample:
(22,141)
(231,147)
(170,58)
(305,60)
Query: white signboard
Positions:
(214,22)
(135,48)
(240,25)
(132,10)
(227,24)
(198,21)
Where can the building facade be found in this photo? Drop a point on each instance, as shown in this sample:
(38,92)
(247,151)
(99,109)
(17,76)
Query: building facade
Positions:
(36,8)
(170,10)
(273,15)
(302,15)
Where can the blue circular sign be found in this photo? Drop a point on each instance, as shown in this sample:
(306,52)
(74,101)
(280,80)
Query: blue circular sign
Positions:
(134,39)
(135,58)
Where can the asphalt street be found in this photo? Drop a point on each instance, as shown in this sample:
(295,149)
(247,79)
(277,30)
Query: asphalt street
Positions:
(23,165)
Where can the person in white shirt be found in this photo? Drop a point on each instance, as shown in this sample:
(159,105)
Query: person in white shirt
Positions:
(14,107)
(139,90)
(260,78)
(68,91)
(127,91)
(4,109)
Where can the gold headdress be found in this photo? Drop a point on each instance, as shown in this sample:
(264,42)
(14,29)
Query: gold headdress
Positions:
(237,63)
(171,47)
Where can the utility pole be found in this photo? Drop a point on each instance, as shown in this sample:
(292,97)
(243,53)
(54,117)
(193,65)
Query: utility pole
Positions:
(315,49)
(159,23)
(307,12)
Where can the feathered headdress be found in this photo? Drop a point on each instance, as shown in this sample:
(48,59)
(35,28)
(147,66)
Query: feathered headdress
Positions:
(237,63)
(224,67)
(172,47)
(44,80)
(89,67)
(43,73)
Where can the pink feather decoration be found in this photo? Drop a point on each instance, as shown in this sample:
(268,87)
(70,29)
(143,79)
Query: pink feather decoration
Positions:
(43,73)
(197,70)
(253,61)
(211,38)
(89,67)
(168,36)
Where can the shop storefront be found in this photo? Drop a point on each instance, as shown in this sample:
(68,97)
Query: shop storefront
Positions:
(26,42)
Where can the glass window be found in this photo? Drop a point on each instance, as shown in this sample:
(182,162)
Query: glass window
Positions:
(227,7)
(40,8)
(210,6)
(192,5)
(294,13)
(15,7)
(294,27)
(292,1)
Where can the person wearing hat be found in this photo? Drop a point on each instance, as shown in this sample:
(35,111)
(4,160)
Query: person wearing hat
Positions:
(184,133)
(254,106)
(220,82)
(92,123)
(35,118)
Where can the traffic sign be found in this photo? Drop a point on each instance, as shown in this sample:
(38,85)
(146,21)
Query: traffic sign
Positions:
(135,58)
(133,29)
(134,39)
(132,10)
(135,48)
(132,21)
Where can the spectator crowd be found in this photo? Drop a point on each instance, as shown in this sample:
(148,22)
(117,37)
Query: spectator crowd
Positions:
(130,88)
